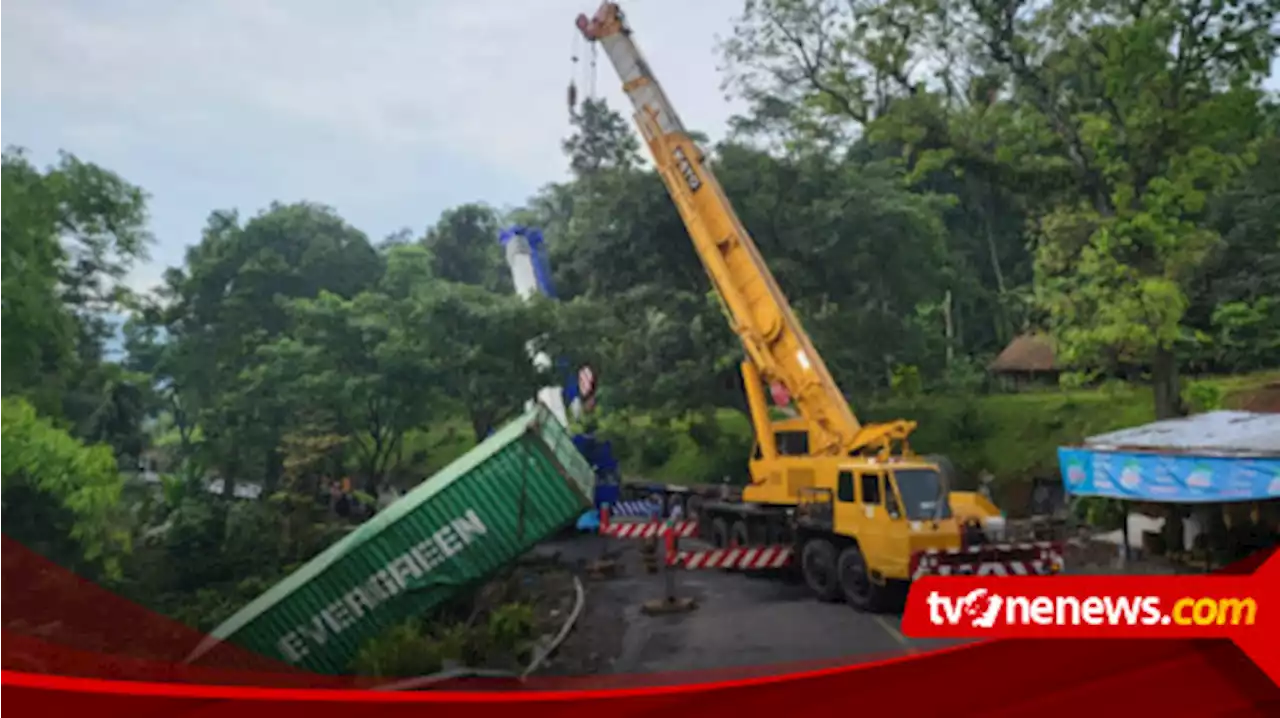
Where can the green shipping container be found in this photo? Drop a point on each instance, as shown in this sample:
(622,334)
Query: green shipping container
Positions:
(519,486)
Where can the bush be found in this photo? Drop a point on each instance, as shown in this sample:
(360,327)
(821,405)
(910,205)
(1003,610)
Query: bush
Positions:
(402,650)
(905,381)
(705,431)
(415,648)
(1202,396)
(510,626)
(1100,512)
(657,444)
(251,542)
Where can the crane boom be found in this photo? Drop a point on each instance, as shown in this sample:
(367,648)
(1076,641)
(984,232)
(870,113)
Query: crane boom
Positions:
(777,348)
(530,276)
(858,516)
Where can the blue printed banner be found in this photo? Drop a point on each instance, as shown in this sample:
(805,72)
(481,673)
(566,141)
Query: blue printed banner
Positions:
(1166,477)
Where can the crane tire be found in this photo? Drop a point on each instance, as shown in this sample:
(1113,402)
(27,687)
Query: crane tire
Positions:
(738,534)
(818,563)
(719,533)
(855,584)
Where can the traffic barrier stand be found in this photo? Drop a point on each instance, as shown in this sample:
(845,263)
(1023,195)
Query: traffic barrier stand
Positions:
(649,530)
(603,567)
(749,558)
(669,603)
(649,555)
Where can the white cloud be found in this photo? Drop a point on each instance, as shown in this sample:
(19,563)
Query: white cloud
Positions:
(390,110)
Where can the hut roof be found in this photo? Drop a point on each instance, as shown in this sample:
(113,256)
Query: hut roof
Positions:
(1026,353)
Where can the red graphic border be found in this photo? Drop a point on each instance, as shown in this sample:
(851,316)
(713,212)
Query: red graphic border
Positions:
(112,657)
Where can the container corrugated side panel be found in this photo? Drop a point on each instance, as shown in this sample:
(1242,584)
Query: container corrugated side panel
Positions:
(423,492)
(575,467)
(521,492)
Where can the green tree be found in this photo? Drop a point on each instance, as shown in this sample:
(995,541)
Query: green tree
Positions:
(602,141)
(230,299)
(479,344)
(464,248)
(61,498)
(1154,107)
(352,368)
(71,234)
(1233,309)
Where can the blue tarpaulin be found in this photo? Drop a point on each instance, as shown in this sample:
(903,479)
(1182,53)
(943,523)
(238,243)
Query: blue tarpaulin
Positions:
(1168,477)
(1215,457)
(589,522)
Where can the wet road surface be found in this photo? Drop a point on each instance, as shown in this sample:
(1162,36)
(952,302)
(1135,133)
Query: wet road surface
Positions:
(741,621)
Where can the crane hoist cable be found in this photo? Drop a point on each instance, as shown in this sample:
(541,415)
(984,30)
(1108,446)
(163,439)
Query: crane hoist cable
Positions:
(587,74)
(573,87)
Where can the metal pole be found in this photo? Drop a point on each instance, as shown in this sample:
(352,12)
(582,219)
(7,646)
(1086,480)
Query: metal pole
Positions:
(668,572)
(602,566)
(670,602)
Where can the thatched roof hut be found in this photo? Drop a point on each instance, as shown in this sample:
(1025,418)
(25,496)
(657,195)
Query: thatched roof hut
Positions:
(1027,356)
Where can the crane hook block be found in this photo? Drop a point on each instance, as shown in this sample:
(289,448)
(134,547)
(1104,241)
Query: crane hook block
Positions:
(573,97)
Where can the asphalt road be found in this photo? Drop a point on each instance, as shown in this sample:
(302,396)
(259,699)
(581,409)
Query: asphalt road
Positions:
(741,622)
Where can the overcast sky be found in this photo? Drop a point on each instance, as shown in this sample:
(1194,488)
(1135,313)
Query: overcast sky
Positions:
(388,110)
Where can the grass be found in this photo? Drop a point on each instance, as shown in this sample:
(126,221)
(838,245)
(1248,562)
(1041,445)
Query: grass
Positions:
(1014,436)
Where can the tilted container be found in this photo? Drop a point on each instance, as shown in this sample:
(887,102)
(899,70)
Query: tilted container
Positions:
(456,529)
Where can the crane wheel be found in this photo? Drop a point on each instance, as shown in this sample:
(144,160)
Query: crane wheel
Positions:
(738,535)
(693,508)
(855,584)
(818,562)
(719,533)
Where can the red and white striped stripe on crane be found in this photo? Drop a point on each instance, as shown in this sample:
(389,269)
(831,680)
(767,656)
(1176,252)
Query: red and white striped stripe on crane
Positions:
(941,562)
(742,559)
(650,529)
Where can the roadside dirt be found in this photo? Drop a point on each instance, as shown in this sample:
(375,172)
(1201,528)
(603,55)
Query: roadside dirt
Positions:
(1265,399)
(594,642)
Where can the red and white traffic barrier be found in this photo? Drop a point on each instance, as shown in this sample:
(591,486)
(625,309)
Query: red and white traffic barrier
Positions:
(652,529)
(748,558)
(1024,559)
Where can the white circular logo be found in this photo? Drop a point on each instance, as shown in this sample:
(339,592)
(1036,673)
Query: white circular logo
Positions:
(586,382)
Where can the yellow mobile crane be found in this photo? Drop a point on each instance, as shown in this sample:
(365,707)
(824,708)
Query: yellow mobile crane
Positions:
(858,506)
